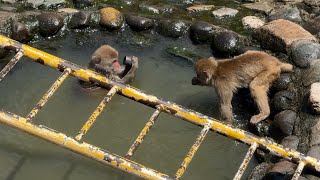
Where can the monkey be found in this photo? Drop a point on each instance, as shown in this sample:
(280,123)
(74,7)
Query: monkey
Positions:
(105,61)
(255,70)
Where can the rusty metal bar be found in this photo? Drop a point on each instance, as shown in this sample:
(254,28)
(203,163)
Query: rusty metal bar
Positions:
(10,65)
(298,171)
(246,161)
(143,133)
(79,147)
(96,113)
(192,151)
(153,101)
(49,93)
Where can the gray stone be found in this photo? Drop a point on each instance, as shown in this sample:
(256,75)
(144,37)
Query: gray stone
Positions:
(20,32)
(303,52)
(224,12)
(199,8)
(281,170)
(172,28)
(286,12)
(80,20)
(252,22)
(227,43)
(315,134)
(279,35)
(262,6)
(49,24)
(285,121)
(201,31)
(314,151)
(138,23)
(283,100)
(45,3)
(282,83)
(291,142)
(314,97)
(312,74)
(260,171)
(313,26)
(315,3)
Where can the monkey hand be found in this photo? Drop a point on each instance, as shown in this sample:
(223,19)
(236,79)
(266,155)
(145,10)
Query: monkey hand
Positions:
(135,61)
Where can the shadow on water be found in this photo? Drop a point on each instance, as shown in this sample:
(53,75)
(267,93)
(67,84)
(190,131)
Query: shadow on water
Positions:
(115,130)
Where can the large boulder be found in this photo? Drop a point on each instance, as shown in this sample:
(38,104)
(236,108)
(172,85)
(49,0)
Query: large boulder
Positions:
(111,18)
(279,35)
(49,24)
(303,52)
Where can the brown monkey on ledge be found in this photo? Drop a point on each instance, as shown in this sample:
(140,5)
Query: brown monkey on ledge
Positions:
(105,61)
(255,70)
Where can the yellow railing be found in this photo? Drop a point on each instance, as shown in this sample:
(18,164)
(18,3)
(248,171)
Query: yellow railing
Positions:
(124,163)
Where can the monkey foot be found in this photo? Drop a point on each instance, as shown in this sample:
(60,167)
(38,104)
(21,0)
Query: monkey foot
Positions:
(255,120)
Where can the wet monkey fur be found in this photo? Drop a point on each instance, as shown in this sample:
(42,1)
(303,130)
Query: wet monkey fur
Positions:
(255,70)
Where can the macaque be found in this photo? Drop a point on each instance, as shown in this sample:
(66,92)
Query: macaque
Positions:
(105,61)
(255,70)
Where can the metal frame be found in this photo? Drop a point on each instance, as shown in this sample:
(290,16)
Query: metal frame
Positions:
(74,144)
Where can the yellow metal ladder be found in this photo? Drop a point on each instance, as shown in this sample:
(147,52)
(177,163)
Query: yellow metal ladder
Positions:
(75,144)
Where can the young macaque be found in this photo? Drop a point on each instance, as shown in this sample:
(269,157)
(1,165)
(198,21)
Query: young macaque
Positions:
(105,61)
(255,70)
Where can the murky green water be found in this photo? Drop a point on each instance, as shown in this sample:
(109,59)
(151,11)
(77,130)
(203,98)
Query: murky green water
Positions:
(23,157)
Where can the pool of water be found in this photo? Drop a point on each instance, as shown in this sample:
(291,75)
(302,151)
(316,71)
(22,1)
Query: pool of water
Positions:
(25,157)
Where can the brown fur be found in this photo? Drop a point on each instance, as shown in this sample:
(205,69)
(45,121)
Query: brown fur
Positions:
(255,70)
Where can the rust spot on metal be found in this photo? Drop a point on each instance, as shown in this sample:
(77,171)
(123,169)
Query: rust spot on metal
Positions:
(39,60)
(61,67)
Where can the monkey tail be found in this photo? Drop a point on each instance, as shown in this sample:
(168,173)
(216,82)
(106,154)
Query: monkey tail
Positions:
(285,67)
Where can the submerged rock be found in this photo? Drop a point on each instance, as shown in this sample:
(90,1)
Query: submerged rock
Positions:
(80,20)
(286,12)
(279,35)
(285,121)
(111,18)
(314,97)
(183,53)
(227,43)
(260,171)
(20,32)
(252,22)
(282,83)
(172,28)
(138,23)
(224,12)
(291,142)
(49,24)
(201,31)
(303,52)
(283,100)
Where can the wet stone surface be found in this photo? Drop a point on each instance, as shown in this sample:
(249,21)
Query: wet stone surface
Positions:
(20,32)
(315,134)
(283,82)
(283,100)
(281,170)
(314,151)
(286,12)
(312,74)
(260,171)
(80,20)
(138,23)
(173,28)
(313,26)
(224,12)
(49,23)
(303,52)
(314,98)
(201,31)
(291,142)
(83,3)
(111,18)
(227,43)
(285,121)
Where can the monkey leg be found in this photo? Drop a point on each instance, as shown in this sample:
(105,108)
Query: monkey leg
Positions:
(259,88)
(225,97)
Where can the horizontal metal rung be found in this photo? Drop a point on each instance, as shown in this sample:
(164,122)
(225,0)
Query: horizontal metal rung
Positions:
(49,93)
(96,113)
(246,161)
(10,65)
(298,171)
(143,133)
(193,150)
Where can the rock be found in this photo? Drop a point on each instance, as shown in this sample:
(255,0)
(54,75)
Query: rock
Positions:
(49,24)
(315,134)
(83,3)
(45,3)
(283,100)
(302,178)
(285,121)
(314,151)
(311,177)
(4,16)
(138,23)
(252,22)
(282,83)
(227,43)
(201,31)
(3,53)
(68,10)
(291,142)
(312,74)
(224,12)
(20,32)
(286,12)
(313,3)
(80,20)
(10,1)
(290,1)
(313,26)
(280,34)
(199,8)
(262,6)
(314,98)
(150,9)
(183,53)
(303,52)
(281,170)
(156,9)
(260,171)
(111,18)
(172,28)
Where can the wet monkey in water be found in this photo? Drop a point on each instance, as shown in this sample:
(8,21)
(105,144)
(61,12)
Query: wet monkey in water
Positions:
(255,70)
(105,60)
